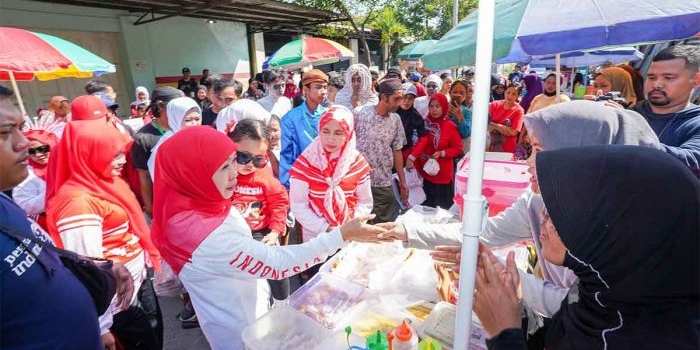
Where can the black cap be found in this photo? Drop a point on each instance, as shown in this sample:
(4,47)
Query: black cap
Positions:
(185,70)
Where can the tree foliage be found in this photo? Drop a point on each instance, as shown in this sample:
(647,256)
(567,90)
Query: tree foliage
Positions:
(399,20)
(392,30)
(430,19)
(359,14)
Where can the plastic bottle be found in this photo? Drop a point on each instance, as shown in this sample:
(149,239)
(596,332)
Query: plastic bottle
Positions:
(377,341)
(429,344)
(405,337)
(414,137)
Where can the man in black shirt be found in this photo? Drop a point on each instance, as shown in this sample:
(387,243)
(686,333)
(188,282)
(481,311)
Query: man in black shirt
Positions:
(148,137)
(187,84)
(222,93)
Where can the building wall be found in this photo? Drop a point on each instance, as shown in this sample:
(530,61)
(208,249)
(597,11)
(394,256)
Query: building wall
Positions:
(141,53)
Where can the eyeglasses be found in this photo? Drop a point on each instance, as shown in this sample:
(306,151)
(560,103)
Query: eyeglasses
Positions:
(431,86)
(244,158)
(39,150)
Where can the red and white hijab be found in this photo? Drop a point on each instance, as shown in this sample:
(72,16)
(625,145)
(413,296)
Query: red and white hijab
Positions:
(333,177)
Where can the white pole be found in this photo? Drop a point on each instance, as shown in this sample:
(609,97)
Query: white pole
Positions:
(17,93)
(557,62)
(455,12)
(455,18)
(474,202)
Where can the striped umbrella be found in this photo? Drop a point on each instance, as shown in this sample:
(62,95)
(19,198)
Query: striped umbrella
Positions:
(26,55)
(308,51)
(29,55)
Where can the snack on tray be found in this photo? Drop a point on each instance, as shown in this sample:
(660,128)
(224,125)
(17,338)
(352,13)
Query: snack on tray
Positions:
(283,328)
(326,298)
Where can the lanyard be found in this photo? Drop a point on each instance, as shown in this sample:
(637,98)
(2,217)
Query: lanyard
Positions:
(158,127)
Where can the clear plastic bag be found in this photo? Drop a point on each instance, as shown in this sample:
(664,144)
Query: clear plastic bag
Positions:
(166,283)
(431,167)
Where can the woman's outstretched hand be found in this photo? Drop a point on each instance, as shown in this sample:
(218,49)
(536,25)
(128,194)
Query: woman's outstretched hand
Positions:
(358,230)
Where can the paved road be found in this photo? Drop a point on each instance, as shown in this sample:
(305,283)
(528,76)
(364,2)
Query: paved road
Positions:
(176,338)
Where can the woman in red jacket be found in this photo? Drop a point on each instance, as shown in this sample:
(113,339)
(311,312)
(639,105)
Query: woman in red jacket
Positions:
(442,143)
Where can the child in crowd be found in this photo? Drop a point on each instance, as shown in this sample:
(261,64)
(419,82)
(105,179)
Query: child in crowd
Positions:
(273,152)
(259,196)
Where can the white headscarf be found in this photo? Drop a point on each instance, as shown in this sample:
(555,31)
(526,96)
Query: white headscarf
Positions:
(177,109)
(140,89)
(434,78)
(344,96)
(239,110)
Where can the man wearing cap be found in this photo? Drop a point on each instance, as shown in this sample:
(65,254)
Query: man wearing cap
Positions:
(420,89)
(380,138)
(300,125)
(393,73)
(187,84)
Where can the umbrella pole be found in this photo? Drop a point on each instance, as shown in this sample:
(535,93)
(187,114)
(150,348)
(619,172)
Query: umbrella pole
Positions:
(557,62)
(474,203)
(17,93)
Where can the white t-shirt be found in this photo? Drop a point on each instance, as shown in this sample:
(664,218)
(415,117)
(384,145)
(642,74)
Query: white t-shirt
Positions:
(278,106)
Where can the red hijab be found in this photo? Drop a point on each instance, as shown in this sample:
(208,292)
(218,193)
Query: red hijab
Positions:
(333,181)
(46,138)
(91,147)
(434,125)
(187,206)
(83,108)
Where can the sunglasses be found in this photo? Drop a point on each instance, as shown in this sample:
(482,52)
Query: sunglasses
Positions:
(39,150)
(431,86)
(244,158)
(278,87)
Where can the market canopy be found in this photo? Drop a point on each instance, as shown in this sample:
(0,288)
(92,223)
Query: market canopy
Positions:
(416,50)
(546,27)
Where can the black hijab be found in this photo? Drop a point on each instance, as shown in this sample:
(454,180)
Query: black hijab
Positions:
(411,120)
(630,219)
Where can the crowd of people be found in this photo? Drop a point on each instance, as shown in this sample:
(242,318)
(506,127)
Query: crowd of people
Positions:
(216,178)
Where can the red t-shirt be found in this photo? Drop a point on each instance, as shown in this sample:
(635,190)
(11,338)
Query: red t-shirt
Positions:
(262,200)
(499,114)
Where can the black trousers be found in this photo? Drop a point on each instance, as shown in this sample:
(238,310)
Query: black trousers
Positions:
(438,195)
(278,288)
(141,326)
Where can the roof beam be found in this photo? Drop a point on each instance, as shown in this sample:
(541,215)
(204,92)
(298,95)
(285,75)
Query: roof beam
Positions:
(185,10)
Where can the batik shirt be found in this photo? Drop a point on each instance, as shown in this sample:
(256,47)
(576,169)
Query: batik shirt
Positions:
(377,138)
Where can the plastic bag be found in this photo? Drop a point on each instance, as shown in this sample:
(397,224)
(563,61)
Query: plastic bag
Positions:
(166,283)
(431,167)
